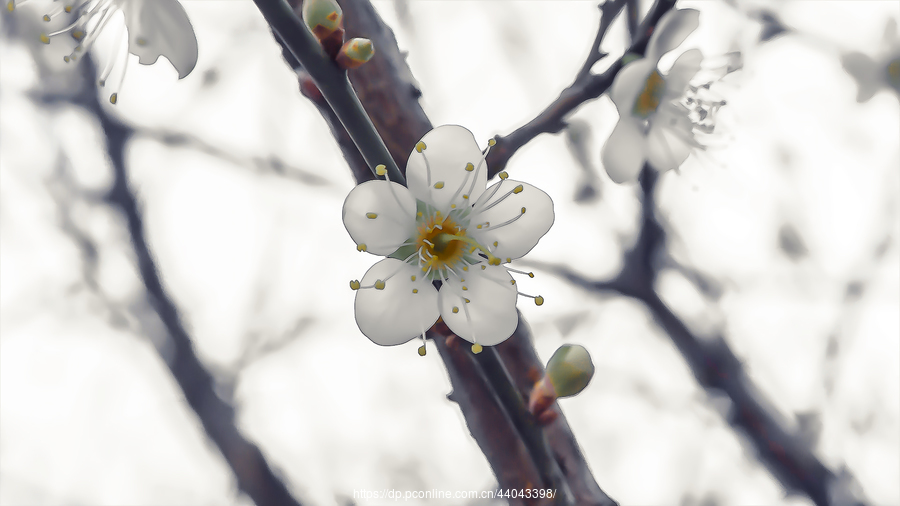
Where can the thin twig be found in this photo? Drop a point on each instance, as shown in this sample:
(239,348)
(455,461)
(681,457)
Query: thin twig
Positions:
(585,87)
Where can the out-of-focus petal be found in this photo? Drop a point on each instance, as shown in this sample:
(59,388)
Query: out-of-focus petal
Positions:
(865,71)
(395,314)
(161,28)
(667,148)
(682,72)
(490,316)
(515,239)
(672,29)
(374,217)
(629,83)
(448,150)
(623,154)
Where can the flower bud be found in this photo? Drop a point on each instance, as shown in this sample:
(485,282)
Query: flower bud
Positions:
(323,17)
(570,370)
(355,52)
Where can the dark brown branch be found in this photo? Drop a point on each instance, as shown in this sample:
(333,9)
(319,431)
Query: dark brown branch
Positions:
(587,86)
(254,476)
(388,92)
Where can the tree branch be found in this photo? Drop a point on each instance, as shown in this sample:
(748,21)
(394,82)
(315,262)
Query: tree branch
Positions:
(388,92)
(587,86)
(254,476)
(716,367)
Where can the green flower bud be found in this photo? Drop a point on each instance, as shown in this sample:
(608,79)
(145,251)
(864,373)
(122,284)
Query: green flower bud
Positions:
(323,17)
(355,52)
(570,370)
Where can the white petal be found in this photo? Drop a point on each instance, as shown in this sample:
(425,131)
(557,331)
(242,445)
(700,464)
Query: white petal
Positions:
(673,28)
(448,149)
(517,238)
(395,314)
(490,317)
(161,28)
(667,149)
(683,70)
(629,83)
(623,154)
(395,218)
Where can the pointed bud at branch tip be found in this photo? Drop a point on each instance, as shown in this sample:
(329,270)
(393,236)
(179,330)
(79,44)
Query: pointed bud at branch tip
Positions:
(355,52)
(323,17)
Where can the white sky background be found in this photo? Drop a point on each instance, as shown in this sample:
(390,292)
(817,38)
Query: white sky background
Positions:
(90,415)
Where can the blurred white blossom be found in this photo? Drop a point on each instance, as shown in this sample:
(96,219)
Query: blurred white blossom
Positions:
(659,115)
(152,28)
(883,71)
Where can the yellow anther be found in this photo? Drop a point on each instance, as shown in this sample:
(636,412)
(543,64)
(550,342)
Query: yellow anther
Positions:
(66,59)
(530,274)
(379,284)
(46,17)
(478,227)
(492,142)
(483,267)
(467,300)
(420,146)
(503,175)
(380,169)
(360,247)
(518,189)
(508,259)
(68,9)
(512,281)
(415,290)
(465,288)
(422,350)
(496,243)
(419,214)
(494,261)
(452,206)
(371,216)
(114,98)
(412,278)
(455,309)
(466,197)
(45,39)
(461,280)
(73,57)
(466,268)
(523,210)
(354,285)
(538,300)
(470,167)
(11,5)
(476,348)
(77,34)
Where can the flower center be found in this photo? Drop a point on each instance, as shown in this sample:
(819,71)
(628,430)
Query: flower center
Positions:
(441,241)
(648,100)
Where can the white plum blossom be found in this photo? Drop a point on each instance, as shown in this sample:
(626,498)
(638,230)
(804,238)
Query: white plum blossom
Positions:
(152,28)
(659,114)
(446,226)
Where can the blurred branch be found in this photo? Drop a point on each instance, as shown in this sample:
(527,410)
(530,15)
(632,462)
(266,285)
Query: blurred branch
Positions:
(269,165)
(608,12)
(254,476)
(715,366)
(587,86)
(389,93)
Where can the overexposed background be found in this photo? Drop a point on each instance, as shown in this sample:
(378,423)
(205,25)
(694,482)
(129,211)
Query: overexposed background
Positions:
(793,211)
